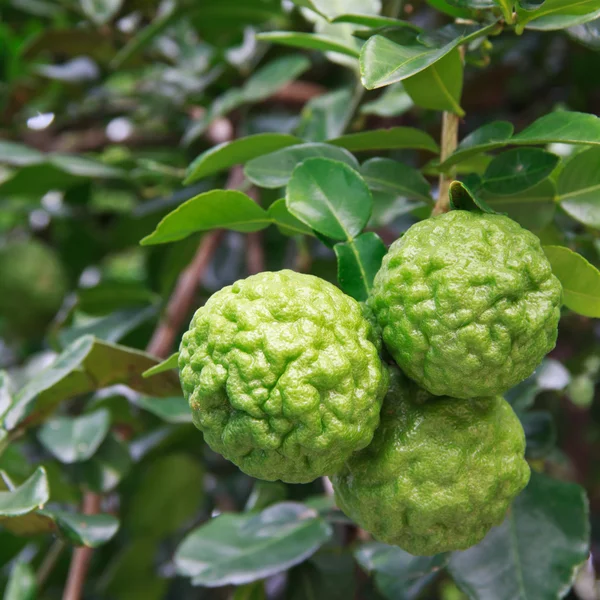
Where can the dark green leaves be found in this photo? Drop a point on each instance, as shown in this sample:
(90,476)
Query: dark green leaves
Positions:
(464,197)
(386,175)
(75,439)
(330,197)
(387,139)
(517,170)
(535,552)
(241,548)
(358,263)
(215,209)
(580,280)
(238,151)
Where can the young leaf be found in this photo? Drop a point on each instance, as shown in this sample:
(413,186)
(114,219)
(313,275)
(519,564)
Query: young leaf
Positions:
(439,86)
(31,494)
(330,197)
(580,280)
(309,41)
(273,76)
(579,187)
(216,209)
(535,552)
(75,439)
(274,170)
(225,155)
(517,170)
(558,14)
(166,365)
(358,263)
(387,139)
(285,221)
(251,547)
(386,175)
(21,584)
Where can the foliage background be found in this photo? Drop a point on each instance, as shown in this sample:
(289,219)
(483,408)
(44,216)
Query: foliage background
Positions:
(120,97)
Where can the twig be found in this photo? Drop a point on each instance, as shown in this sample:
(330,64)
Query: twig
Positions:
(81,556)
(449,143)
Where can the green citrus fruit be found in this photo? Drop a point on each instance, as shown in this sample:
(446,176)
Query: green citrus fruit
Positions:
(467,304)
(33,284)
(283,376)
(438,474)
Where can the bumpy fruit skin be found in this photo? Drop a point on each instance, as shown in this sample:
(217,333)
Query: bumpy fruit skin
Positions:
(438,474)
(467,304)
(33,284)
(282,376)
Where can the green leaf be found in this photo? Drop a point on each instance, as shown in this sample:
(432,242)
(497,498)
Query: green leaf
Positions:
(580,280)
(75,439)
(562,126)
(86,365)
(251,591)
(166,365)
(83,530)
(109,296)
(6,392)
(384,61)
(398,574)
(558,14)
(101,11)
(464,196)
(172,410)
(19,155)
(109,465)
(530,4)
(374,21)
(326,116)
(22,584)
(439,86)
(241,548)
(273,76)
(450,9)
(393,102)
(30,495)
(387,139)
(275,170)
(386,175)
(285,221)
(264,494)
(240,151)
(216,209)
(358,263)
(518,170)
(579,187)
(330,197)
(532,209)
(540,433)
(535,552)
(309,41)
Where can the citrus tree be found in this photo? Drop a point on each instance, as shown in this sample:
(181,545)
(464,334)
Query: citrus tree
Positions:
(297,299)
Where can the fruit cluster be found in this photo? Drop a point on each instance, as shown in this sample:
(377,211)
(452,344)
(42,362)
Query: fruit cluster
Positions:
(287,377)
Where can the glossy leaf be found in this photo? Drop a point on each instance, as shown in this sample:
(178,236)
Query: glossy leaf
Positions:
(387,139)
(273,76)
(393,102)
(386,175)
(518,170)
(326,116)
(358,263)
(309,41)
(579,187)
(562,126)
(83,530)
(105,470)
(398,574)
(166,365)
(172,410)
(240,151)
(374,21)
(30,495)
(22,584)
(439,86)
(86,365)
(217,209)
(535,552)
(285,221)
(75,439)
(330,197)
(274,170)
(237,548)
(580,280)
(558,14)
(465,196)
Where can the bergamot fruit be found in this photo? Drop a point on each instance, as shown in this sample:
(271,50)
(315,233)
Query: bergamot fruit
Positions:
(33,284)
(438,474)
(283,376)
(467,303)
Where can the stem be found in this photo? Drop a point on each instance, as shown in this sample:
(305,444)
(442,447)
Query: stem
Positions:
(49,563)
(449,143)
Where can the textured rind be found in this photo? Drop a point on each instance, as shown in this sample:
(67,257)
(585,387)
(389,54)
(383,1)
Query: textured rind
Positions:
(438,474)
(282,376)
(33,284)
(467,304)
